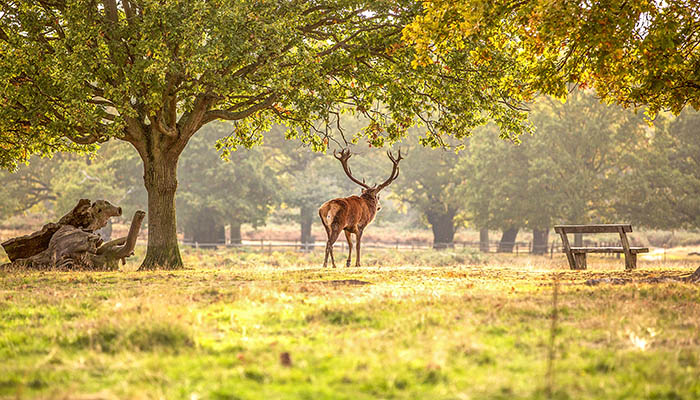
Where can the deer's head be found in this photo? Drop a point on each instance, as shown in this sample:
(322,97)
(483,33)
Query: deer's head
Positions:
(370,193)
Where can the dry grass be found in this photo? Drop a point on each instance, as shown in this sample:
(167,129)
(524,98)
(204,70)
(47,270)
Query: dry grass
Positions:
(407,325)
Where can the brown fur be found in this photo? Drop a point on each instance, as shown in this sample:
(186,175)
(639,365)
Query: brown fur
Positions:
(352,214)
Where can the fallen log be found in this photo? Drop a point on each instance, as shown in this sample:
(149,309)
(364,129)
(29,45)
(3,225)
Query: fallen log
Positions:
(86,215)
(76,246)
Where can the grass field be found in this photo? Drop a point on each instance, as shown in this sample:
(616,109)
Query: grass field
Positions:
(427,325)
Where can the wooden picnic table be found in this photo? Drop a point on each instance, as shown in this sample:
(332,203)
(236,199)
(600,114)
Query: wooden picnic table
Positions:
(577,255)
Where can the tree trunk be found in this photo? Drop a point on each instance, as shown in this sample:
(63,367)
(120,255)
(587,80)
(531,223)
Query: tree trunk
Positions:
(540,241)
(443,226)
(160,179)
(204,229)
(578,239)
(306,220)
(508,240)
(235,229)
(484,240)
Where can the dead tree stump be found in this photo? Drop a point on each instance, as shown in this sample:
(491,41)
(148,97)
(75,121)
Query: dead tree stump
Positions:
(72,242)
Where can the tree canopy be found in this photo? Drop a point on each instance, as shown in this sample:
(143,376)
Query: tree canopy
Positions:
(633,53)
(79,72)
(152,73)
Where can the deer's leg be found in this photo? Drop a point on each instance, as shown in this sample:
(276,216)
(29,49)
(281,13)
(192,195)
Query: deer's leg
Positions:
(357,252)
(348,236)
(328,234)
(325,258)
(331,240)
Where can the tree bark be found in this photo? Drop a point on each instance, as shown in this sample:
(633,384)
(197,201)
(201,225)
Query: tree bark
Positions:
(236,237)
(443,227)
(306,220)
(160,179)
(484,240)
(540,241)
(508,240)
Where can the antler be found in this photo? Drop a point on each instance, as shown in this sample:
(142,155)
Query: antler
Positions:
(394,172)
(343,158)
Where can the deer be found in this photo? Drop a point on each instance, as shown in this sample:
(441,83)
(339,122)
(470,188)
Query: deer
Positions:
(353,214)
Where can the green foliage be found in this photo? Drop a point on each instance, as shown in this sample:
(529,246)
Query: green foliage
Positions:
(242,189)
(632,52)
(153,73)
(28,187)
(55,185)
(431,183)
(85,73)
(663,189)
(570,171)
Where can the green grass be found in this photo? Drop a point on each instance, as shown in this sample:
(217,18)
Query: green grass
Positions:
(431,325)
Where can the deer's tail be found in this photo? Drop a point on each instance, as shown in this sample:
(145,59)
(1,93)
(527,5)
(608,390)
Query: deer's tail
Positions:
(327,213)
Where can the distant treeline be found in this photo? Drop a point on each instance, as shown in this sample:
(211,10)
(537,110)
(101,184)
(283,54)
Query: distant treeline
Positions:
(587,162)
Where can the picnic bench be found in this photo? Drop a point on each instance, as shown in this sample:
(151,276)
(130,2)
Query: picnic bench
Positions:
(577,255)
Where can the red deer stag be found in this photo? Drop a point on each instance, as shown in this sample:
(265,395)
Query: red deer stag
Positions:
(352,214)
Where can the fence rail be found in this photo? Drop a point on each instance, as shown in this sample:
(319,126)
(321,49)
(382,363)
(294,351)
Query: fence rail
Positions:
(521,247)
(272,245)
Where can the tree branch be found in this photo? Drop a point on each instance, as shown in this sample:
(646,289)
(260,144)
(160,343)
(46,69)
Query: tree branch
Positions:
(111,10)
(231,115)
(163,128)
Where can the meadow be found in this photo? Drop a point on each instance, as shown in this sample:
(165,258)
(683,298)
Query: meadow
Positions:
(407,325)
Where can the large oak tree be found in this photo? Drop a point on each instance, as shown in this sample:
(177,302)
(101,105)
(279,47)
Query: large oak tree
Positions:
(76,73)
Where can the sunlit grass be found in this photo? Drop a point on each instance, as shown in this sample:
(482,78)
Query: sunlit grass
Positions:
(406,325)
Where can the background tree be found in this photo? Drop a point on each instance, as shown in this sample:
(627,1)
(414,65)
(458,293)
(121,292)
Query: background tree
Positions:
(214,193)
(58,183)
(495,194)
(28,186)
(152,73)
(587,146)
(570,171)
(430,182)
(309,183)
(663,191)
